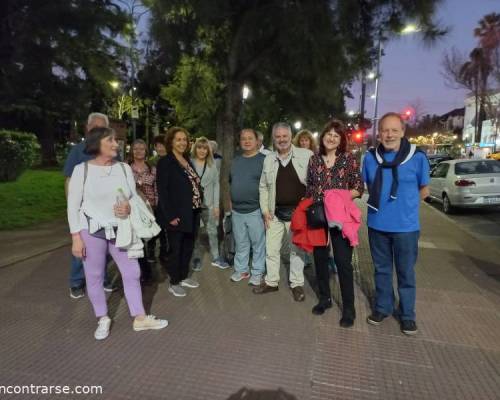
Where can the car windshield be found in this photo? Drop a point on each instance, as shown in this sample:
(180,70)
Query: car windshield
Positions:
(477,167)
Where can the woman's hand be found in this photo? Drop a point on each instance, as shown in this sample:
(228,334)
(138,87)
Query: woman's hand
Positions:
(216,212)
(122,210)
(78,247)
(175,222)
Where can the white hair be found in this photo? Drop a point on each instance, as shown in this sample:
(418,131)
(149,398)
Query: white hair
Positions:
(282,125)
(96,115)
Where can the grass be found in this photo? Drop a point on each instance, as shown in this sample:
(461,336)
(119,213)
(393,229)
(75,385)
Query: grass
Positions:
(37,196)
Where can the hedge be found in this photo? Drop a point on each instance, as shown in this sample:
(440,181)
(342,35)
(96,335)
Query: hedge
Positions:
(18,150)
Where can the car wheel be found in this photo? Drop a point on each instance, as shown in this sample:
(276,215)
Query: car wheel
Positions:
(447,207)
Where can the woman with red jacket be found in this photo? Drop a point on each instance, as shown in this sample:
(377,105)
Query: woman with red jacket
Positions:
(334,168)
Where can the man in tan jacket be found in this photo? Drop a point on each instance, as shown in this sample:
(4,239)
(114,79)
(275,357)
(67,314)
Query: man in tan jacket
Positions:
(282,186)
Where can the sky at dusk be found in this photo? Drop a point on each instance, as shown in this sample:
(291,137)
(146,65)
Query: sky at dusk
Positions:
(411,71)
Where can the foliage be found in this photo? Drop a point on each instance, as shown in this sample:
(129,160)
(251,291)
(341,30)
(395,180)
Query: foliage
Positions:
(56,59)
(194,92)
(37,196)
(18,151)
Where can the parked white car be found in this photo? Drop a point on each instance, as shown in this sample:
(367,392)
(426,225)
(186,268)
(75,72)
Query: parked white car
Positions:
(466,183)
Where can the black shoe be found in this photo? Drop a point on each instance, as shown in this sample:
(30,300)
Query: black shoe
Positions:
(409,327)
(376,318)
(348,317)
(76,292)
(321,307)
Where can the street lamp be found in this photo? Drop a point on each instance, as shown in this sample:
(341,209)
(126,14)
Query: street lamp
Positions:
(371,76)
(315,134)
(297,125)
(351,113)
(114,84)
(245,92)
(408,29)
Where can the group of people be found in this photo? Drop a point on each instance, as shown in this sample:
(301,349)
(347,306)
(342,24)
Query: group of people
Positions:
(272,197)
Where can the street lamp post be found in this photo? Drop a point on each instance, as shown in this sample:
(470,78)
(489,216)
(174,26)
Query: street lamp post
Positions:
(407,30)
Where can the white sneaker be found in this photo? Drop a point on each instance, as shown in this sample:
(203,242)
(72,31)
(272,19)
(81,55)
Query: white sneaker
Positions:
(177,290)
(149,322)
(102,331)
(190,283)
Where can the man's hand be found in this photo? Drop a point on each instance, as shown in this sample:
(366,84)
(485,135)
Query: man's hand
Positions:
(175,222)
(268,217)
(78,247)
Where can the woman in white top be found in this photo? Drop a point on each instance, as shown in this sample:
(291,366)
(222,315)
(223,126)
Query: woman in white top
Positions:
(204,164)
(98,196)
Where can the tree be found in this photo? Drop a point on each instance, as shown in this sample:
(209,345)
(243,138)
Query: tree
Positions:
(302,54)
(56,59)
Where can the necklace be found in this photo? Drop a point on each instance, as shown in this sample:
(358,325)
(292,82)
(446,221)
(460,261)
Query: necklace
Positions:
(107,173)
(329,162)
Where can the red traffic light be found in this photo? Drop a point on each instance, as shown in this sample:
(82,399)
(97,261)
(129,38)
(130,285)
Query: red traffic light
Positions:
(358,136)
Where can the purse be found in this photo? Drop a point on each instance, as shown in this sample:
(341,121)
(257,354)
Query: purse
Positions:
(315,215)
(284,213)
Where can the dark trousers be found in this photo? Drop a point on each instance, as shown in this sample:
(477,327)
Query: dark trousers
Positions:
(181,246)
(342,253)
(163,240)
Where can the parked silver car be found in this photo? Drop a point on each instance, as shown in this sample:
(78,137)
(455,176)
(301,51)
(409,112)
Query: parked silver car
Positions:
(466,183)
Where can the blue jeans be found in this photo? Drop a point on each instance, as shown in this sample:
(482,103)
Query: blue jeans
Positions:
(77,275)
(249,233)
(399,249)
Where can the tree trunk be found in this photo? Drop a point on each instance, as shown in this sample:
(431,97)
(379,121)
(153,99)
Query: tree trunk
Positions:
(47,143)
(226,133)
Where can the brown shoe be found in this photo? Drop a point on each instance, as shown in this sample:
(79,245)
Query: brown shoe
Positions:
(298,293)
(264,288)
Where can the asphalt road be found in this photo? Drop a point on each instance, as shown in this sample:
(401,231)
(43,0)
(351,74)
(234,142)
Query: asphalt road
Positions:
(484,224)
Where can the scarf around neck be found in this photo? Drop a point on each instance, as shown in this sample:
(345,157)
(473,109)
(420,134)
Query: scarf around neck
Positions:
(405,153)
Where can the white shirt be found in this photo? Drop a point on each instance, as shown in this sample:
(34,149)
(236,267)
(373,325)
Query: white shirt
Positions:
(99,196)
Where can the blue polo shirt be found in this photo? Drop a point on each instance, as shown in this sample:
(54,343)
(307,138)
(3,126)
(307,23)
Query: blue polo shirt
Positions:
(401,214)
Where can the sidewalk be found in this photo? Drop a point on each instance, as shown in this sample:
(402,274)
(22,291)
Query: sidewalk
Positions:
(222,338)
(21,244)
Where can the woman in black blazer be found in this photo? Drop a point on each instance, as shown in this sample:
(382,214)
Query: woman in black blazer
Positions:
(179,204)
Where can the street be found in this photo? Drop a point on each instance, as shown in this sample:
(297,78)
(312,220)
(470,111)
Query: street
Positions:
(481,223)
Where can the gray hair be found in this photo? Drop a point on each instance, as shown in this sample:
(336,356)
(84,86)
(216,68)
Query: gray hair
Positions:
(214,146)
(96,115)
(283,125)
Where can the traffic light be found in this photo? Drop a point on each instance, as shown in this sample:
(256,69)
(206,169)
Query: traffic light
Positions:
(407,114)
(358,136)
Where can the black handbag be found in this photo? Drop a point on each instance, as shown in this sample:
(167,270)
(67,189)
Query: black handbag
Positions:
(315,215)
(284,213)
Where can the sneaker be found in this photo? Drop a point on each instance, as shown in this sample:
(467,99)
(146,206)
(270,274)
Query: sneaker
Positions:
(149,322)
(76,293)
(190,283)
(197,265)
(220,263)
(109,287)
(177,290)
(409,327)
(255,280)
(239,276)
(102,331)
(376,318)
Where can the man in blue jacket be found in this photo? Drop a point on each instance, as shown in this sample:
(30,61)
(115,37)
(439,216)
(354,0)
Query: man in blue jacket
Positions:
(397,177)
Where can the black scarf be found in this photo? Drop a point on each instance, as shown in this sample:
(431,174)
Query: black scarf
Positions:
(376,186)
